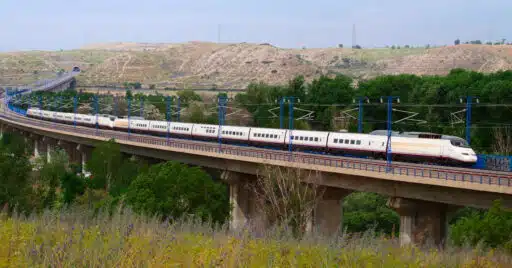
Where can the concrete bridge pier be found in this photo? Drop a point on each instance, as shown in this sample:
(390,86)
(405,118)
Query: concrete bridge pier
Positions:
(83,155)
(327,218)
(245,210)
(69,148)
(36,148)
(49,149)
(421,222)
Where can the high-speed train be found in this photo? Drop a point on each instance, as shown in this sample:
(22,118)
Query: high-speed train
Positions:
(416,148)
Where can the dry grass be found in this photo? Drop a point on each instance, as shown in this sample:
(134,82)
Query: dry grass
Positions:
(76,239)
(201,65)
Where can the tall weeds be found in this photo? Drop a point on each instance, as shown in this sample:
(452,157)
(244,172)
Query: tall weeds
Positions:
(78,238)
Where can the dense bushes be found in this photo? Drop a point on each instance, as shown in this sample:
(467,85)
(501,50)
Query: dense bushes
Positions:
(363,211)
(14,172)
(492,228)
(174,190)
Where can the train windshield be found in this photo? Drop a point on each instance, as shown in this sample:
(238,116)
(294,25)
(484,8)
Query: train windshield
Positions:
(460,143)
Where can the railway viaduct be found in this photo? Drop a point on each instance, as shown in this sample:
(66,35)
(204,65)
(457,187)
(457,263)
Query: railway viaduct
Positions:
(423,196)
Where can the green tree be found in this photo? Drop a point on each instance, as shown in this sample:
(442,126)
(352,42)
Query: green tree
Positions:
(457,41)
(362,211)
(188,96)
(49,177)
(174,190)
(325,91)
(105,164)
(14,173)
(72,186)
(494,228)
(129,94)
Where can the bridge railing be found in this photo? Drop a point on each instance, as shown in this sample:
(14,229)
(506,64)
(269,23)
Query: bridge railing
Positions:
(432,172)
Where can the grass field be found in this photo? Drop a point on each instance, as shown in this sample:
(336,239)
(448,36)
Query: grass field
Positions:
(75,239)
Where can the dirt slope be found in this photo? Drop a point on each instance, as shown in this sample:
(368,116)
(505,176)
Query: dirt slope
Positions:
(203,65)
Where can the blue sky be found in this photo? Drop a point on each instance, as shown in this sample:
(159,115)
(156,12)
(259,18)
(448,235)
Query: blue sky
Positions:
(58,24)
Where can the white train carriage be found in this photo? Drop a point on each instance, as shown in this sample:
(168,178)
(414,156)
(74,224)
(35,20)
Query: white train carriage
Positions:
(458,150)
(34,112)
(409,149)
(69,118)
(235,134)
(106,121)
(160,128)
(58,117)
(121,124)
(85,120)
(139,125)
(270,136)
(416,148)
(205,131)
(47,115)
(181,129)
(355,144)
(308,140)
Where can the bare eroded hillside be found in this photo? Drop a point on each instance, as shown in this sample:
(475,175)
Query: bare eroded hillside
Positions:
(204,65)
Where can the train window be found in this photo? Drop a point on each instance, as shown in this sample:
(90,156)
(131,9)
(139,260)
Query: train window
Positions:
(311,138)
(459,143)
(267,135)
(335,140)
(358,142)
(291,137)
(352,141)
(316,139)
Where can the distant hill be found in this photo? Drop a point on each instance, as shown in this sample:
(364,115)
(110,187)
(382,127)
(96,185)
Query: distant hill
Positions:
(203,65)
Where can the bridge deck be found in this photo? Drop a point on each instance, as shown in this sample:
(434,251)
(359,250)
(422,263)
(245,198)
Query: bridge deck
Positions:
(476,180)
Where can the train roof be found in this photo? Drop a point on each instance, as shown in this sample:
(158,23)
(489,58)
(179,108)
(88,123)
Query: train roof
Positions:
(416,134)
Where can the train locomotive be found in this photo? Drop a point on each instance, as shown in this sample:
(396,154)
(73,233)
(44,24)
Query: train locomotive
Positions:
(412,147)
